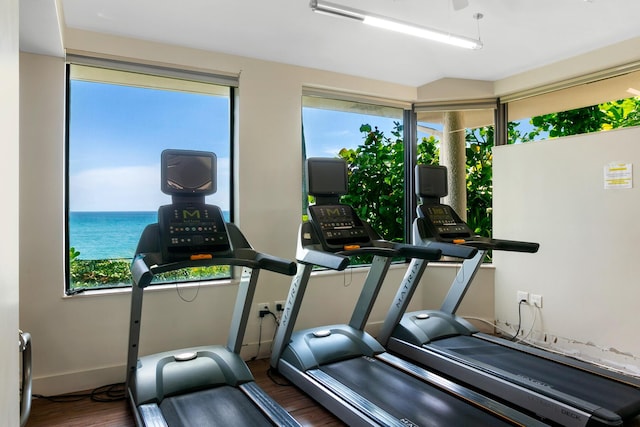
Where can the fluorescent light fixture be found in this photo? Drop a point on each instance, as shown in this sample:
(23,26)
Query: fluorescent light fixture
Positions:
(634,92)
(332,9)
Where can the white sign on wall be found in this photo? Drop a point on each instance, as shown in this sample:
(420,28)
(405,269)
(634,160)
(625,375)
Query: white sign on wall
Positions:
(618,175)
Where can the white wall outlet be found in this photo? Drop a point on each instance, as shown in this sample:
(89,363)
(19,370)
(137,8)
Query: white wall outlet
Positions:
(536,300)
(523,296)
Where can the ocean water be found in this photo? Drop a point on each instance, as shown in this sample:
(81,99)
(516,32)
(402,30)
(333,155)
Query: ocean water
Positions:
(107,235)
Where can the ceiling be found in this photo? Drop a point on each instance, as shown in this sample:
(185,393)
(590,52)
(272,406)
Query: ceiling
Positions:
(518,35)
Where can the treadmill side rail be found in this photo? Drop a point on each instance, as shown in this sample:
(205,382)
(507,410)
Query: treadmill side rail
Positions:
(467,394)
(544,406)
(151,415)
(324,396)
(575,363)
(357,401)
(273,410)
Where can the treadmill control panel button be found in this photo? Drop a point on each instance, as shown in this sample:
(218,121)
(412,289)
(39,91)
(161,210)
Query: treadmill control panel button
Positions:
(338,225)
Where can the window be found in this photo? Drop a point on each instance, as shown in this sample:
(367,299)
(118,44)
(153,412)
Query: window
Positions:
(460,135)
(118,123)
(607,100)
(378,158)
(370,139)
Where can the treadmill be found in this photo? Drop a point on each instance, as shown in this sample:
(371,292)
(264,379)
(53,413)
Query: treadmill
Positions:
(553,387)
(205,385)
(341,366)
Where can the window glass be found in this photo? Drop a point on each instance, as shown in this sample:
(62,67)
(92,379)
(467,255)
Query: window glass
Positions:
(370,139)
(592,118)
(594,106)
(472,198)
(118,124)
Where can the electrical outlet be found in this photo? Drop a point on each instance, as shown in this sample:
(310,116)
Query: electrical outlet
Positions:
(523,296)
(261,306)
(536,300)
(279,306)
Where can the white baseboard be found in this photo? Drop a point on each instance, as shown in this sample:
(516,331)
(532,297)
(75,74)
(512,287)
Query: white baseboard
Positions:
(78,381)
(70,382)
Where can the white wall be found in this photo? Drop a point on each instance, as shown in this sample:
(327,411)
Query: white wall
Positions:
(9,107)
(82,340)
(587,267)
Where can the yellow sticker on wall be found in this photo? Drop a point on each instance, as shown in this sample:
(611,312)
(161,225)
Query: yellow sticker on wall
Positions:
(618,175)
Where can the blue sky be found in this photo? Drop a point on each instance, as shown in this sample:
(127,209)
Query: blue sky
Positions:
(117,134)
(327,132)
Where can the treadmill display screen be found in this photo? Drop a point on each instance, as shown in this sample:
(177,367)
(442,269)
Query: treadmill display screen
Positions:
(188,229)
(444,222)
(431,181)
(440,215)
(338,224)
(326,176)
(188,172)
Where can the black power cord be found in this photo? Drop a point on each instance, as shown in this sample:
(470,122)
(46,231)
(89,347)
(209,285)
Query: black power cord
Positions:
(106,393)
(513,338)
(262,314)
(276,378)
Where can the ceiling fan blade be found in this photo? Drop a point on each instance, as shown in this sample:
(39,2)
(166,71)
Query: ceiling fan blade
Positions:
(459,4)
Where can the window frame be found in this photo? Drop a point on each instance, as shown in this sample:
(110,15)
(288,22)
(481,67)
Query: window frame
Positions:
(588,90)
(352,103)
(177,79)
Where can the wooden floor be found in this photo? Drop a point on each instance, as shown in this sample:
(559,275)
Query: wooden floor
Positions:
(85,412)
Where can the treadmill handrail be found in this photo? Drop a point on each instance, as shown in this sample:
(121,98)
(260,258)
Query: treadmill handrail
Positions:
(487,243)
(276,264)
(146,265)
(322,259)
(143,273)
(456,250)
(340,260)
(424,231)
(387,249)
(414,251)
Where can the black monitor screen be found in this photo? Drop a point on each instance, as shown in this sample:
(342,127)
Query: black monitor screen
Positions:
(188,172)
(326,177)
(431,181)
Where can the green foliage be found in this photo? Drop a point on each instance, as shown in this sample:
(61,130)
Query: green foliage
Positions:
(428,151)
(479,179)
(572,122)
(197,273)
(73,254)
(594,118)
(621,113)
(102,273)
(99,273)
(376,180)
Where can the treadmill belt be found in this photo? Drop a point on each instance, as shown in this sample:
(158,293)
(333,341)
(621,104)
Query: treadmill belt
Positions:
(221,406)
(405,397)
(617,397)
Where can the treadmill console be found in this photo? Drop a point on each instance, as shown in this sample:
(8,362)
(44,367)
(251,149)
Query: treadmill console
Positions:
(192,231)
(443,223)
(339,227)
